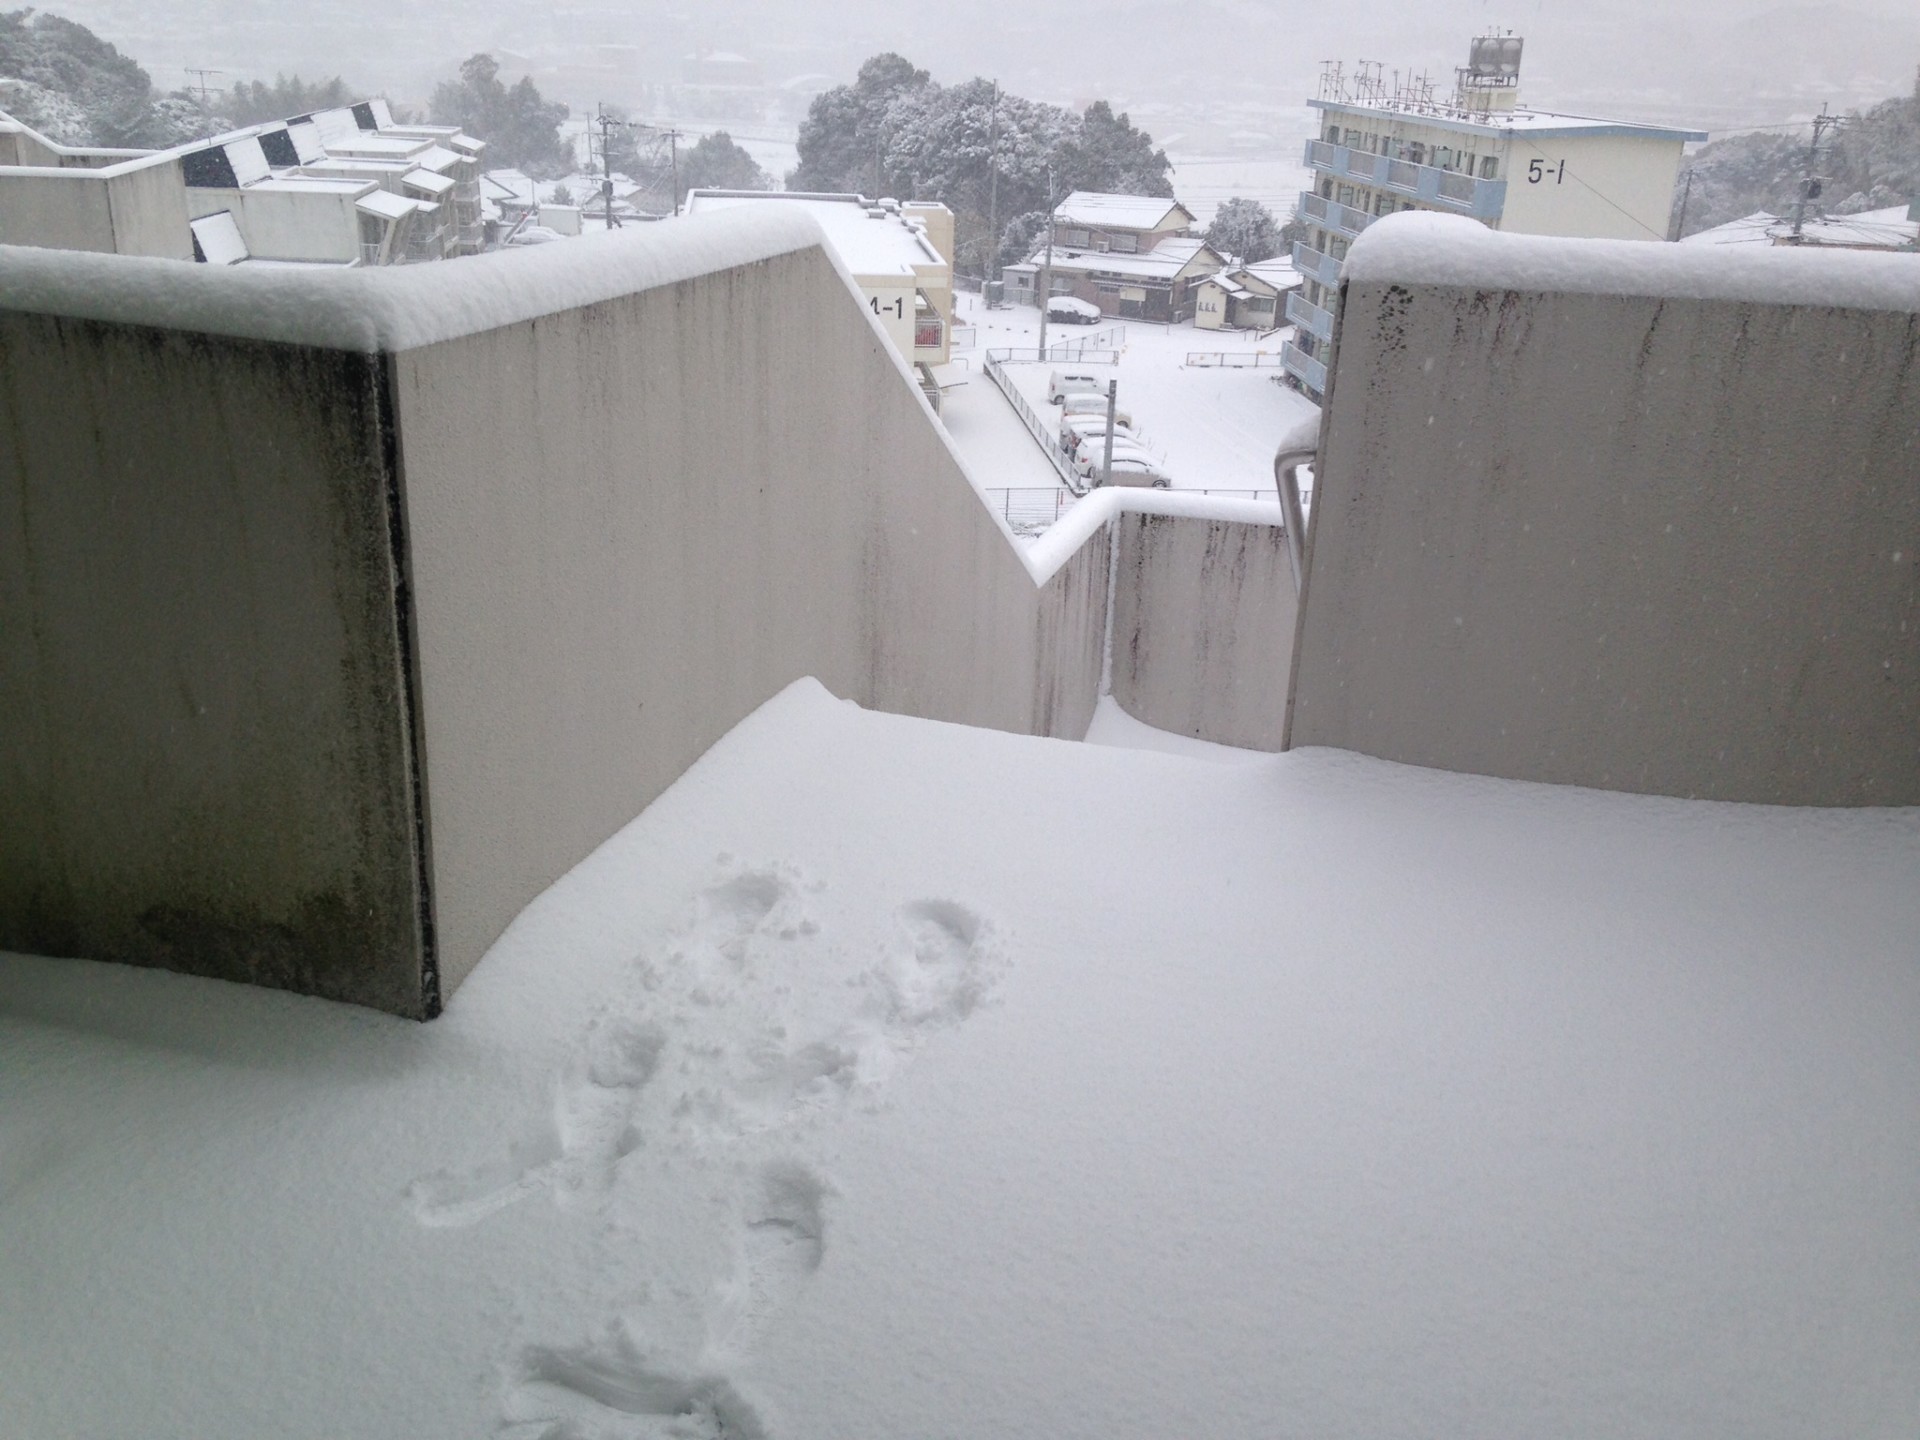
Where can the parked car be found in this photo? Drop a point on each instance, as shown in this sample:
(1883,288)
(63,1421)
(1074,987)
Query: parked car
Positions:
(1075,429)
(1062,383)
(1134,472)
(1092,405)
(1090,457)
(1072,310)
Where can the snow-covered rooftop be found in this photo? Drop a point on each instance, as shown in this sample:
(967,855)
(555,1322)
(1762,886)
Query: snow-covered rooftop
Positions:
(1120,212)
(870,239)
(1888,229)
(1540,124)
(892,1078)
(1163,262)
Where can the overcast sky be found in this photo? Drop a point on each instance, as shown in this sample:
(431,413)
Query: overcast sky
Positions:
(1716,63)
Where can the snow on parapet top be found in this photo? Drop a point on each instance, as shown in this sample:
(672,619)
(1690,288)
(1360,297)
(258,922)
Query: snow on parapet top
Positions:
(1427,249)
(391,308)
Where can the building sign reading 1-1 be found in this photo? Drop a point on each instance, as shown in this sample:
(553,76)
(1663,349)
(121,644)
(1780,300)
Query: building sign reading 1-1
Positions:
(1538,170)
(899,306)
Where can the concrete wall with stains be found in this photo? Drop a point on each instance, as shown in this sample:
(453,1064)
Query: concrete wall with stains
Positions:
(633,522)
(1203,622)
(204,753)
(1644,544)
(316,665)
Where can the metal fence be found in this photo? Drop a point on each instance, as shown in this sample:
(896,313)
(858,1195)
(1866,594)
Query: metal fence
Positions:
(1043,435)
(1031,510)
(1102,347)
(1234,359)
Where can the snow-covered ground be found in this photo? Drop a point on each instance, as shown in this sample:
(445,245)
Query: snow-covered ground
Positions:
(889,1078)
(1216,428)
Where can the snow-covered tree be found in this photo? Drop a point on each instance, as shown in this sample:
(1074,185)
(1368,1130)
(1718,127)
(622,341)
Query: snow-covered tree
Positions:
(1107,154)
(845,132)
(1246,230)
(717,162)
(521,128)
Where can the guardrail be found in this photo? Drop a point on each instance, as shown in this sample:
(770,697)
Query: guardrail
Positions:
(1049,443)
(1031,510)
(1234,359)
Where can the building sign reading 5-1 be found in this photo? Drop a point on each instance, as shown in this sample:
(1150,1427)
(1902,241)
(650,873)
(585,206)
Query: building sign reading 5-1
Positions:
(898,307)
(1538,170)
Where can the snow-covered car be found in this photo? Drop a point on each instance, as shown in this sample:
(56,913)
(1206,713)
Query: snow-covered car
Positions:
(1077,430)
(1092,405)
(1136,472)
(1090,457)
(1072,310)
(1062,383)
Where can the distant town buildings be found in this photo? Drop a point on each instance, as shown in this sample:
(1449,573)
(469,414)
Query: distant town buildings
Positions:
(338,187)
(1131,255)
(1386,147)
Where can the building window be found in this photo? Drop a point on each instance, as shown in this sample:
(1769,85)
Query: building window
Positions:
(1106,287)
(1074,237)
(1126,244)
(1326,189)
(1488,167)
(1333,134)
(1346,194)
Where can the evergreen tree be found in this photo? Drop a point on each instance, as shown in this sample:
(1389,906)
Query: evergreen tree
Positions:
(255,103)
(521,128)
(717,163)
(1110,156)
(1246,230)
(845,131)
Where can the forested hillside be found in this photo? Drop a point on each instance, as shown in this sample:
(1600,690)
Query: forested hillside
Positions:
(1873,163)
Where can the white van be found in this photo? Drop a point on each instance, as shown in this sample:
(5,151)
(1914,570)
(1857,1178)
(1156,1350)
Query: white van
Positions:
(1063,383)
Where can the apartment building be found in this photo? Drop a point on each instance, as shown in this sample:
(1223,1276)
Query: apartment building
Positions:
(900,255)
(337,187)
(1387,147)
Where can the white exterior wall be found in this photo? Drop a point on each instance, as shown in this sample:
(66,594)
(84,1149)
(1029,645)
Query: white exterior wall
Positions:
(288,224)
(1612,187)
(890,300)
(128,209)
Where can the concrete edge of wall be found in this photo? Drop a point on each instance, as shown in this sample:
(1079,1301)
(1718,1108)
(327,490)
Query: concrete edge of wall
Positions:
(1053,549)
(1419,248)
(392,308)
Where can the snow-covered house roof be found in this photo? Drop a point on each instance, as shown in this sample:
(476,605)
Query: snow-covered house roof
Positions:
(1120,212)
(1172,258)
(1889,229)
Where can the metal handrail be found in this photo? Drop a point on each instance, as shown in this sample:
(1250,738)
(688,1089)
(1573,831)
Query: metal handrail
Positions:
(1286,477)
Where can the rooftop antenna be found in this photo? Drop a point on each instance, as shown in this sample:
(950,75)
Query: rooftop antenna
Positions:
(202,87)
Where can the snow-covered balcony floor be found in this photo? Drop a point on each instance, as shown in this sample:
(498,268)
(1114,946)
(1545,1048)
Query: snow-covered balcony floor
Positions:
(892,1079)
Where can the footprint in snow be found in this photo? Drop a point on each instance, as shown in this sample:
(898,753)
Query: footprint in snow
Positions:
(943,966)
(572,1151)
(782,1242)
(610,1390)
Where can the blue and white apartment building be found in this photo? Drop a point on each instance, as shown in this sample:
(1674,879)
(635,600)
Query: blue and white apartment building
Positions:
(1385,149)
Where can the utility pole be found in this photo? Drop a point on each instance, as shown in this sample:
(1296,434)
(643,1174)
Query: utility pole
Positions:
(1810,182)
(1680,227)
(1046,269)
(1106,465)
(993,193)
(607,123)
(673,161)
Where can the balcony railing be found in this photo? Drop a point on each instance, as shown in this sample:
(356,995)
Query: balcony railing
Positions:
(1452,190)
(1307,369)
(1309,316)
(1314,265)
(928,332)
(1332,215)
